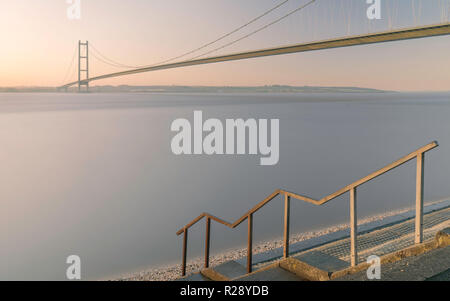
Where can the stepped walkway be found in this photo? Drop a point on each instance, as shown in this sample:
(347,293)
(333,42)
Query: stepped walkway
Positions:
(328,257)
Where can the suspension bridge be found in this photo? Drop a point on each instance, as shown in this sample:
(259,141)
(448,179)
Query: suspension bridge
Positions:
(390,35)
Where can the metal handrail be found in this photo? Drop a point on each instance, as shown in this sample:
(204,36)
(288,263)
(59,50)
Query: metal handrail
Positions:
(419,154)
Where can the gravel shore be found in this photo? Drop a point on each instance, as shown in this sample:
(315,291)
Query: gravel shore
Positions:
(172,272)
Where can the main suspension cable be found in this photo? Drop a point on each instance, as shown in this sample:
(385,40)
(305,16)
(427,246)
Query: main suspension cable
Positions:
(257,30)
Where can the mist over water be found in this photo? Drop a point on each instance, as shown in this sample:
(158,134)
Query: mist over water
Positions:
(93,175)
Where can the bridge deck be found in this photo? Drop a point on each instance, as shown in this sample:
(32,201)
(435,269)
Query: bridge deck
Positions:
(381,37)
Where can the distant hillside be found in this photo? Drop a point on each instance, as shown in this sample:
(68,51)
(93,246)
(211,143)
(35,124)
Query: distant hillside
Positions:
(202,89)
(27,89)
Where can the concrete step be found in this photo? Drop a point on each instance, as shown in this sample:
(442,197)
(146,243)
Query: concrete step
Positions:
(225,271)
(323,261)
(273,274)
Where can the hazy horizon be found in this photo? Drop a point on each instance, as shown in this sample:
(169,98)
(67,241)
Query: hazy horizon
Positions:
(19,89)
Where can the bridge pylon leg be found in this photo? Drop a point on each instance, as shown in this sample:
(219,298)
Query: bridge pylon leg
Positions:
(83,66)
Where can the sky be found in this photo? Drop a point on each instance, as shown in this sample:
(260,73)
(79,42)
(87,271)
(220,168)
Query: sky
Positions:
(39,42)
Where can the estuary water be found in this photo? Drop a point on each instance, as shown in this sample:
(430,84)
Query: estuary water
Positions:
(93,175)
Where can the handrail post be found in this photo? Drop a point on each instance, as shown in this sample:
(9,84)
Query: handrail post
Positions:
(249,243)
(183,265)
(419,198)
(287,200)
(353,228)
(207,241)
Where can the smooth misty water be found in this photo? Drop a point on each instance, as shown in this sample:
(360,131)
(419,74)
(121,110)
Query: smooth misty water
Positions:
(93,175)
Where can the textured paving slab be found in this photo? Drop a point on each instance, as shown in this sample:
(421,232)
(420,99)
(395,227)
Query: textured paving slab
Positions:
(275,274)
(322,261)
(433,265)
(231,269)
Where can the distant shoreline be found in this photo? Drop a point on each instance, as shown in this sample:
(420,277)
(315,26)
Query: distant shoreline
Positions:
(198,89)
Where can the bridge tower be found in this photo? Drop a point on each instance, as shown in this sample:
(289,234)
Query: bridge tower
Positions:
(83,65)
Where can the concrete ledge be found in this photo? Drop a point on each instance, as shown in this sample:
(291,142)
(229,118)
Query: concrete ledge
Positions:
(213,275)
(273,274)
(429,266)
(304,270)
(265,268)
(443,237)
